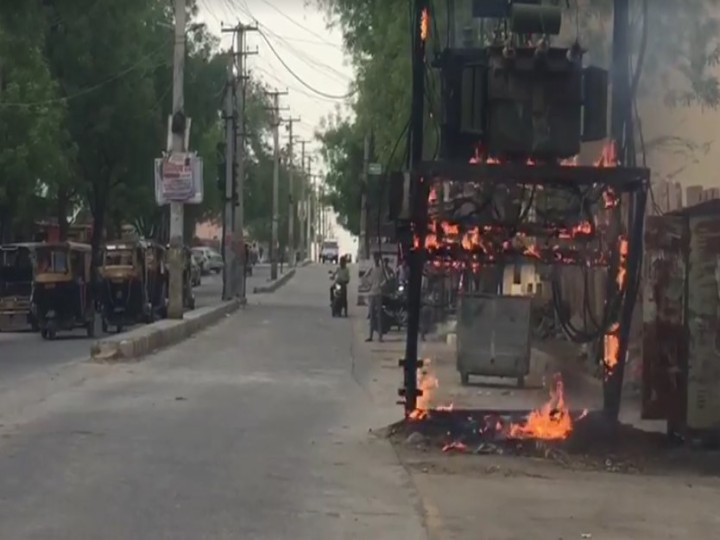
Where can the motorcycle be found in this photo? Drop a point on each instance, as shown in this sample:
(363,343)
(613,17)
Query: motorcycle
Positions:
(338,300)
(394,308)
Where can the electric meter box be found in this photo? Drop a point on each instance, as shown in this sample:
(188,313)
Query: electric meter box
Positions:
(493,336)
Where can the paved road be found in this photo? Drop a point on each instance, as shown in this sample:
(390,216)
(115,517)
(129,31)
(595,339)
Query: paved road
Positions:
(253,429)
(23,353)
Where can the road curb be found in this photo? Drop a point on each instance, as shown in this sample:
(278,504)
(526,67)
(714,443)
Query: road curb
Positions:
(142,341)
(275,285)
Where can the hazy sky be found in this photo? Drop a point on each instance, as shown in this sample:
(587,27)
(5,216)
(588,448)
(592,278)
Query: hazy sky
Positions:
(300,36)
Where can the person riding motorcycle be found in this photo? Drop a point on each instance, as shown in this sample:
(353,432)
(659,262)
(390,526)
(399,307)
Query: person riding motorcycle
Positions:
(341,276)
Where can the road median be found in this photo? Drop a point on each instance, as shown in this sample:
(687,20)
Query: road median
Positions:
(135,344)
(275,285)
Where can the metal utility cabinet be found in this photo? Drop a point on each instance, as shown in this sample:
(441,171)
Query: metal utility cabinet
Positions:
(493,336)
(681,321)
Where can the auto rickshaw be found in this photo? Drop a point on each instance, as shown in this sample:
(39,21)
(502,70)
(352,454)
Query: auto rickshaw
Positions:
(134,283)
(61,297)
(16,280)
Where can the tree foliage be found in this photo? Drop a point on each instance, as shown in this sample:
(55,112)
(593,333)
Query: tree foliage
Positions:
(677,46)
(85,94)
(33,146)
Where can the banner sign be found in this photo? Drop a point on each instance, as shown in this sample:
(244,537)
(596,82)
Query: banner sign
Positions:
(179,178)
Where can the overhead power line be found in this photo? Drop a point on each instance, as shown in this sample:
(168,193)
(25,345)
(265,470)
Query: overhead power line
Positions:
(299,25)
(300,79)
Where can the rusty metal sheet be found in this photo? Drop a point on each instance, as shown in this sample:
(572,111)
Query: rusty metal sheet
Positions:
(704,322)
(665,342)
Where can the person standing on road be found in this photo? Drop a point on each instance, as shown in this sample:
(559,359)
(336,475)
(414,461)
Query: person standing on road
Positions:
(377,279)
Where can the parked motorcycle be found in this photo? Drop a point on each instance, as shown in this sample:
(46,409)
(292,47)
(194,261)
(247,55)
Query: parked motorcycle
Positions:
(394,308)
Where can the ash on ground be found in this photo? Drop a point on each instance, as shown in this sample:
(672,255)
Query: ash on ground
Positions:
(593,443)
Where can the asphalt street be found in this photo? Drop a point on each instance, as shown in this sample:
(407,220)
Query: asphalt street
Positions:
(23,353)
(255,428)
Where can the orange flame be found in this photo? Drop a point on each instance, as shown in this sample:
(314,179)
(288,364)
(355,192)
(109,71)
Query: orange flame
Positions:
(424,24)
(611,340)
(455,445)
(551,421)
(427,382)
(611,349)
(608,157)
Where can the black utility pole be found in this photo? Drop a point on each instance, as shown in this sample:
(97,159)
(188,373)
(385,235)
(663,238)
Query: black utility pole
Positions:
(621,131)
(418,193)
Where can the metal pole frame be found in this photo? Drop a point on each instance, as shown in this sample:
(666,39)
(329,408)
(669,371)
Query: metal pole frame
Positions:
(620,114)
(419,201)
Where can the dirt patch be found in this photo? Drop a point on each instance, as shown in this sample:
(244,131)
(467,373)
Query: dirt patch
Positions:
(593,445)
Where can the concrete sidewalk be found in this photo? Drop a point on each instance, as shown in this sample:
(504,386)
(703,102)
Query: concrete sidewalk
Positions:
(466,497)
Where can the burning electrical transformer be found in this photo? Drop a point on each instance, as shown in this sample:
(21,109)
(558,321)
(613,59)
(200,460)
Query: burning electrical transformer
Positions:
(508,185)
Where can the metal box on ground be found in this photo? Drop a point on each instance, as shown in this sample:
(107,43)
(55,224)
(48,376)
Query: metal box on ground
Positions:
(493,336)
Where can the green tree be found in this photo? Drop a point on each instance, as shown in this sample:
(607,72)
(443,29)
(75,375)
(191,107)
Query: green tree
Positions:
(33,146)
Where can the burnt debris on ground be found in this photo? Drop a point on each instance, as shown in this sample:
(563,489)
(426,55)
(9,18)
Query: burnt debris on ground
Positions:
(593,443)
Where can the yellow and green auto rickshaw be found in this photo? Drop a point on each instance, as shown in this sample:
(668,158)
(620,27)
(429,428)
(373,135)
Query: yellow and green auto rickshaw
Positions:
(61,297)
(134,283)
(17,269)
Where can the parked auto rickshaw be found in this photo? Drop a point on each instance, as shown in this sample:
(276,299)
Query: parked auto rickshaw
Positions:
(16,280)
(134,282)
(61,298)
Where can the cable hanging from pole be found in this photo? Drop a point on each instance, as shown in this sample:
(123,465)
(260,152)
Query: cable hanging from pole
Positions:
(300,79)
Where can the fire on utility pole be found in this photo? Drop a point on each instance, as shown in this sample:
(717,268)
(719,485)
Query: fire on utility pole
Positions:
(291,195)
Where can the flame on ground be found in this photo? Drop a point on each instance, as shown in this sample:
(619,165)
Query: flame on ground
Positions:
(551,421)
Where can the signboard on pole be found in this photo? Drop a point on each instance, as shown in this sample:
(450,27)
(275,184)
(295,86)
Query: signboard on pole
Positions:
(179,178)
(374,169)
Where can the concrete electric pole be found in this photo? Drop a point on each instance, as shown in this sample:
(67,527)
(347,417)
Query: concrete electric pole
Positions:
(364,236)
(239,224)
(234,223)
(229,287)
(291,195)
(310,210)
(274,245)
(177,146)
(303,204)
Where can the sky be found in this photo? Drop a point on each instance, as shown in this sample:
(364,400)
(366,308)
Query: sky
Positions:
(300,36)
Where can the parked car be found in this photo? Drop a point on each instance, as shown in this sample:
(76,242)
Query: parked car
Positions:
(212,261)
(215,262)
